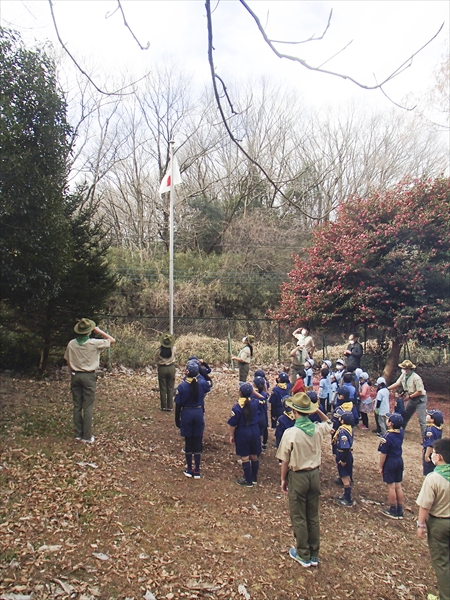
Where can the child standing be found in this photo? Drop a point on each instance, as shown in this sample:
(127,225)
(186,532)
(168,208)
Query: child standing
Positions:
(399,406)
(434,516)
(433,432)
(340,370)
(262,395)
(282,388)
(244,433)
(324,389)
(308,379)
(299,385)
(391,464)
(189,415)
(365,401)
(381,405)
(285,421)
(343,446)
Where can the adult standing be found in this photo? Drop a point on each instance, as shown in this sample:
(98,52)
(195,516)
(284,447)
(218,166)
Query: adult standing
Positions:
(165,360)
(300,451)
(83,356)
(416,394)
(434,516)
(353,353)
(305,343)
(244,357)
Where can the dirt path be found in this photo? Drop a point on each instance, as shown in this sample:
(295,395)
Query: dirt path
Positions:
(119,520)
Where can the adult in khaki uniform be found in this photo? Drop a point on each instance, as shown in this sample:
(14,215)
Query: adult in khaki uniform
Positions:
(416,394)
(300,451)
(83,356)
(244,357)
(434,516)
(165,360)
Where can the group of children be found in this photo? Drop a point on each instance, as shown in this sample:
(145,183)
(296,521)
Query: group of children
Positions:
(345,395)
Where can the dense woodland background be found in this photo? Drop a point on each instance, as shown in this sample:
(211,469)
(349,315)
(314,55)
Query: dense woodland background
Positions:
(101,245)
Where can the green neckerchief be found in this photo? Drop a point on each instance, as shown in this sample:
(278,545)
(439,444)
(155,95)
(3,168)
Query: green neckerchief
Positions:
(81,339)
(305,425)
(443,470)
(408,376)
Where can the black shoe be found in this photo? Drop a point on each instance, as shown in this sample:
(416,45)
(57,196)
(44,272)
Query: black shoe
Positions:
(244,483)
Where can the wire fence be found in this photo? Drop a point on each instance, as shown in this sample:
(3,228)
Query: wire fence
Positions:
(271,332)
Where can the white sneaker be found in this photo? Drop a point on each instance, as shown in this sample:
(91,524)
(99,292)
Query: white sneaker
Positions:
(91,441)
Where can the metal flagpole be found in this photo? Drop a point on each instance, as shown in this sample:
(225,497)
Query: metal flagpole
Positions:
(171,193)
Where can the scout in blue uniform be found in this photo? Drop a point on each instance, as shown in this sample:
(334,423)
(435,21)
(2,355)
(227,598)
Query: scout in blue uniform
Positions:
(399,406)
(262,395)
(282,388)
(244,433)
(284,421)
(261,373)
(314,418)
(433,432)
(343,446)
(204,368)
(391,464)
(189,415)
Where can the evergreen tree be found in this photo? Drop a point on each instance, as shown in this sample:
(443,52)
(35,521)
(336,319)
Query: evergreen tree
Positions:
(52,248)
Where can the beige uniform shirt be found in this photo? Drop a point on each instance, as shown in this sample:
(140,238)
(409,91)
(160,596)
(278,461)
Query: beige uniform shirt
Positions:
(307,342)
(300,450)
(87,356)
(435,495)
(159,360)
(413,384)
(245,354)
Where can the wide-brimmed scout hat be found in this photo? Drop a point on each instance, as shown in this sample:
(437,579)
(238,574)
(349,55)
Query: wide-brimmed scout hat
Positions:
(407,364)
(302,403)
(84,327)
(250,339)
(167,340)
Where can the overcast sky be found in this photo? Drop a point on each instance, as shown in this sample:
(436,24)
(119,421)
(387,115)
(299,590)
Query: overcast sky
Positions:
(384,34)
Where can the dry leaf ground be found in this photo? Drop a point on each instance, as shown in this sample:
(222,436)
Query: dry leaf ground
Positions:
(118,519)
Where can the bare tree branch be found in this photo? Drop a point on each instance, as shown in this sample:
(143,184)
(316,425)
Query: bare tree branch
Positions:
(215,77)
(119,92)
(313,38)
(128,27)
(303,62)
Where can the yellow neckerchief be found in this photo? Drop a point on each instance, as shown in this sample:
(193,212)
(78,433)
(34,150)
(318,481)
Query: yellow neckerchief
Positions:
(289,414)
(347,428)
(283,386)
(242,402)
(433,425)
(191,379)
(393,431)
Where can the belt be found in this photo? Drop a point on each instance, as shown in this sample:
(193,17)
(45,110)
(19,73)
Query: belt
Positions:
(76,372)
(438,517)
(303,470)
(193,406)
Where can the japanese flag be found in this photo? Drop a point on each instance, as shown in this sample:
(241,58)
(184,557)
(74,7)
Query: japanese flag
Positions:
(166,183)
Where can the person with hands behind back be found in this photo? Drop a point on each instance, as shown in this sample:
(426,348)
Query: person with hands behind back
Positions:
(300,453)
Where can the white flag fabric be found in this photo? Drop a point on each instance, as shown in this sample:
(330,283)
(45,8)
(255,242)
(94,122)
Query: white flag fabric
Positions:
(166,184)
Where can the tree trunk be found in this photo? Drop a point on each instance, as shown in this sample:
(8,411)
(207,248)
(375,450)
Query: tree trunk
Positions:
(392,361)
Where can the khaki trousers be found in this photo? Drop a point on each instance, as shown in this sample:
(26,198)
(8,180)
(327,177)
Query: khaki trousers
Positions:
(304,492)
(438,532)
(82,386)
